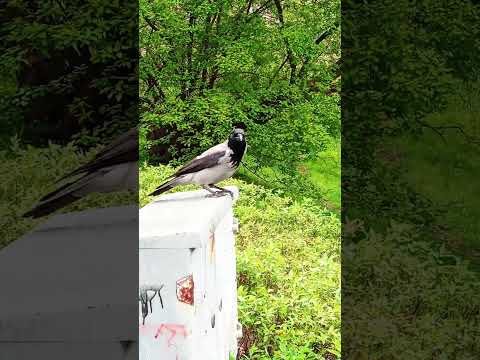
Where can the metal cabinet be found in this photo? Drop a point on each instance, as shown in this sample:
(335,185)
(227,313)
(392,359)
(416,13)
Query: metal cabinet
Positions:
(68,288)
(187,278)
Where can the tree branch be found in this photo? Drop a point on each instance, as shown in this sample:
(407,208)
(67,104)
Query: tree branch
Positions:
(323,36)
(290,56)
(258,10)
(441,128)
(278,71)
(150,23)
(249,6)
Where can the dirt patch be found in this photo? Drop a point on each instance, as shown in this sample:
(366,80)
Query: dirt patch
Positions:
(245,342)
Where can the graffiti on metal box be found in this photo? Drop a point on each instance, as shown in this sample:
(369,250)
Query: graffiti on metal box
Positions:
(146,295)
(172,330)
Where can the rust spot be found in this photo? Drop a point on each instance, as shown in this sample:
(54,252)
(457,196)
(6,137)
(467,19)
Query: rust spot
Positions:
(212,246)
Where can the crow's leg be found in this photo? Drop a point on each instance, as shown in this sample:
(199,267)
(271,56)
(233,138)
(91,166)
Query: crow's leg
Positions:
(222,190)
(212,193)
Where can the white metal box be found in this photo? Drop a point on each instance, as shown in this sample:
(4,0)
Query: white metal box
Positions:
(187,278)
(66,292)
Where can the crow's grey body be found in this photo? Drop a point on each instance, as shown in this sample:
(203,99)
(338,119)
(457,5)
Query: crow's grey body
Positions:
(212,166)
(115,168)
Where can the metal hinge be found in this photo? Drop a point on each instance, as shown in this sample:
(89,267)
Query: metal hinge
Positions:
(239,331)
(235,225)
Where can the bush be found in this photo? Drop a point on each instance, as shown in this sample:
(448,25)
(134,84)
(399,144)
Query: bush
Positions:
(414,301)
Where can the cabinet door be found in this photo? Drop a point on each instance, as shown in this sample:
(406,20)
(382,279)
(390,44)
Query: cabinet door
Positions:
(227,306)
(221,287)
(166,303)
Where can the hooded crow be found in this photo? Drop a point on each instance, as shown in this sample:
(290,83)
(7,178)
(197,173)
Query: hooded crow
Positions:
(212,166)
(115,168)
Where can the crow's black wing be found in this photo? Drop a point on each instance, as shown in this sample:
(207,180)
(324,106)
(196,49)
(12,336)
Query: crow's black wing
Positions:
(200,163)
(123,149)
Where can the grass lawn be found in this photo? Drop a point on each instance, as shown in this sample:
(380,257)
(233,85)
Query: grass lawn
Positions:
(325,173)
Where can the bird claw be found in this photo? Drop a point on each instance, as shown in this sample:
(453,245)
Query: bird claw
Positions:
(220,194)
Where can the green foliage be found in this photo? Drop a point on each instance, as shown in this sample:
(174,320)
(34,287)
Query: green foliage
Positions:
(206,65)
(31,174)
(69,69)
(404,294)
(406,70)
(325,174)
(410,74)
(442,170)
(288,269)
(414,302)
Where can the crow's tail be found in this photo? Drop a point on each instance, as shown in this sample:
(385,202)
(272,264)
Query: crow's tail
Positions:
(48,207)
(164,187)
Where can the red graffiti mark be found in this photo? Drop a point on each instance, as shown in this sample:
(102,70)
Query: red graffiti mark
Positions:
(173,329)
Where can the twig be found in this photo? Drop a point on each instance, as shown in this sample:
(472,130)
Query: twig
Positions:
(433,128)
(263,179)
(439,130)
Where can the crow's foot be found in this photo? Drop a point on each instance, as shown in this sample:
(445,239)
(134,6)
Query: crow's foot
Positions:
(220,194)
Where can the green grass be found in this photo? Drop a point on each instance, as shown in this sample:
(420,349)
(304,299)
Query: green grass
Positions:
(318,179)
(288,269)
(325,173)
(447,172)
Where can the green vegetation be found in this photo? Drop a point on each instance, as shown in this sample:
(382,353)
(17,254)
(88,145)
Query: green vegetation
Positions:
(31,175)
(288,269)
(67,72)
(413,301)
(406,291)
(206,65)
(445,170)
(325,174)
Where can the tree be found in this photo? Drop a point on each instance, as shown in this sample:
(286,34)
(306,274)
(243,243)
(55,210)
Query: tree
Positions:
(207,64)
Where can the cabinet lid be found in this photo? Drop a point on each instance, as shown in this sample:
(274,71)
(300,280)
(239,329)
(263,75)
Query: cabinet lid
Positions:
(180,220)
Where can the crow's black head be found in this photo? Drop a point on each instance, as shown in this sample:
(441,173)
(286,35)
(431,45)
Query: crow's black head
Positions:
(237,142)
(240,125)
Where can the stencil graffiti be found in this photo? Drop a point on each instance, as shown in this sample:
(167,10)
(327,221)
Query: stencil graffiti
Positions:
(146,295)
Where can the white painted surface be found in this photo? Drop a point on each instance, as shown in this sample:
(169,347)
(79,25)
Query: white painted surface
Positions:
(71,301)
(64,289)
(186,234)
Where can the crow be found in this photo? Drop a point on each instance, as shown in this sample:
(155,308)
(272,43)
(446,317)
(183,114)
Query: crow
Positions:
(114,168)
(212,166)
